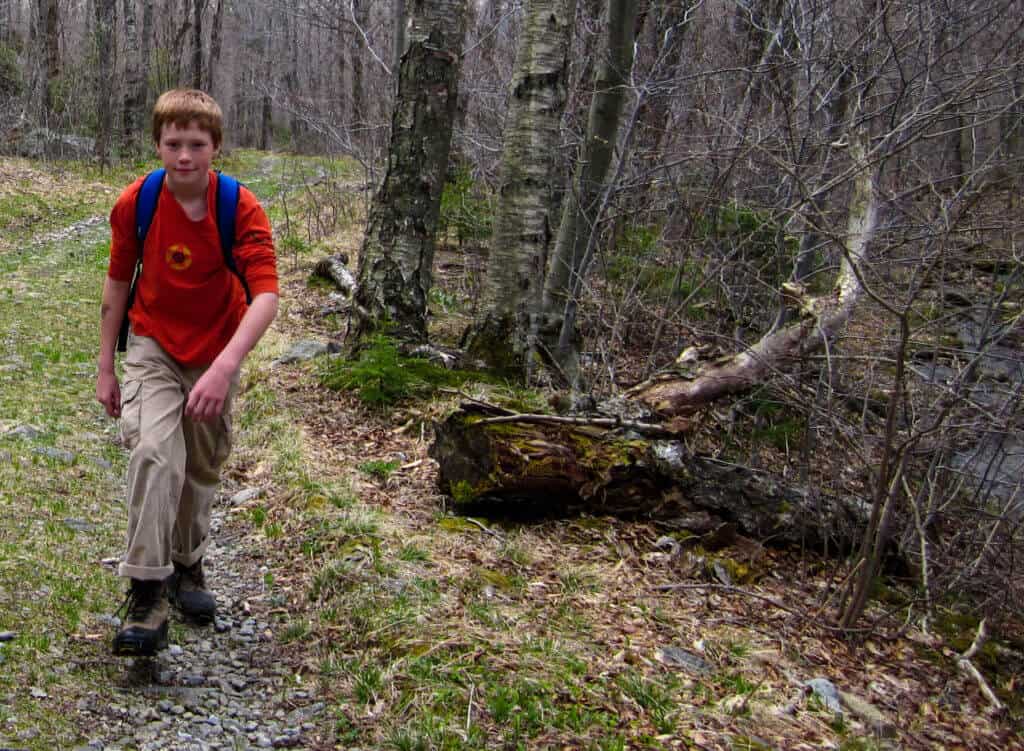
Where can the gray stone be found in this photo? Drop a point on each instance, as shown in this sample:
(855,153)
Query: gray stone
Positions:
(825,690)
(7,636)
(306,350)
(54,453)
(79,525)
(24,432)
(680,658)
(244,496)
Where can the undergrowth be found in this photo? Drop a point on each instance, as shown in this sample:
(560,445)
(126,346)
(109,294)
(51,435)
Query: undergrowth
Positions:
(382,376)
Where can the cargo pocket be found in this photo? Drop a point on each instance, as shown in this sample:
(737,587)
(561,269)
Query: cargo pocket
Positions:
(223,440)
(131,413)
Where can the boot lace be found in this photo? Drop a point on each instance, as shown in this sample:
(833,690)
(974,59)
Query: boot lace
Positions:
(139,601)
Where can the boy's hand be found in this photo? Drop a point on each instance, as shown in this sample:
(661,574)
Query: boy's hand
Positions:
(108,392)
(206,399)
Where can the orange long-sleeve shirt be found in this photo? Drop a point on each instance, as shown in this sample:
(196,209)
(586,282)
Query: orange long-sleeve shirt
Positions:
(187,298)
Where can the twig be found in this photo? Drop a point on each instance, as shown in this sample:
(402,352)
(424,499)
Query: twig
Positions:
(600,422)
(965,664)
(485,528)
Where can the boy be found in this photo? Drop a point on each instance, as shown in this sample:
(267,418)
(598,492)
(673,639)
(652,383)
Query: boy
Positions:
(190,332)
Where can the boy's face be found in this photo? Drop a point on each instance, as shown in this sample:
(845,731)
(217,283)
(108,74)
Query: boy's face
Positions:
(186,154)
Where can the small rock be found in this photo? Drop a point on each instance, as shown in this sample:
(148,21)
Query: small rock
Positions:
(680,658)
(7,636)
(24,432)
(306,350)
(175,650)
(38,693)
(825,690)
(54,453)
(79,525)
(244,496)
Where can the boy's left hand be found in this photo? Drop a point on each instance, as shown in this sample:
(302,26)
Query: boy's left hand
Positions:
(206,399)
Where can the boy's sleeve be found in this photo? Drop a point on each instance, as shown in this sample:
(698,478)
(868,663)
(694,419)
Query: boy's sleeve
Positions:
(254,245)
(123,251)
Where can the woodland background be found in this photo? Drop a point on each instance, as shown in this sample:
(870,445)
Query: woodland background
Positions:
(816,202)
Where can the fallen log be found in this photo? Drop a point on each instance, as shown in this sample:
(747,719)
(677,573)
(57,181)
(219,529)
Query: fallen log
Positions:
(335,268)
(568,466)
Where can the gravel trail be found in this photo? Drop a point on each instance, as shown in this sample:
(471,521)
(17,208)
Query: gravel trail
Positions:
(219,686)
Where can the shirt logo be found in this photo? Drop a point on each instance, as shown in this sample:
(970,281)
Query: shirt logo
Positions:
(178,257)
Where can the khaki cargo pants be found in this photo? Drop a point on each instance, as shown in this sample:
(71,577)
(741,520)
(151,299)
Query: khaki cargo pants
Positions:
(175,463)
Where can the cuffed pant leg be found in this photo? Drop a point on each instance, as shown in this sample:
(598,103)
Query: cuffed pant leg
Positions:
(156,469)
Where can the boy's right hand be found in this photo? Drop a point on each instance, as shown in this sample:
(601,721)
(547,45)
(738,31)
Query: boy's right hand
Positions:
(108,393)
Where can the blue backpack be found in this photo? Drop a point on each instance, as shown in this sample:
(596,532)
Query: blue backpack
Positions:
(145,208)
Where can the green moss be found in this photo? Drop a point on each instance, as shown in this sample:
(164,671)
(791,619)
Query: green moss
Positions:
(382,376)
(462,492)
(457,524)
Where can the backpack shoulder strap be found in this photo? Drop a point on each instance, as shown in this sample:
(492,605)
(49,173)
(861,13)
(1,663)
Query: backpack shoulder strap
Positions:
(145,205)
(227,208)
(145,208)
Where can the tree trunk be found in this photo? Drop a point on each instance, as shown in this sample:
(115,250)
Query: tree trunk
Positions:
(547,467)
(401,21)
(106,16)
(215,44)
(48,36)
(134,85)
(146,58)
(523,226)
(582,200)
(395,265)
(197,43)
(6,23)
(359,14)
(266,103)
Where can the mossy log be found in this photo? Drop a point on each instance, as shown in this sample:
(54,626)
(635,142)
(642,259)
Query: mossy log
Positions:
(565,467)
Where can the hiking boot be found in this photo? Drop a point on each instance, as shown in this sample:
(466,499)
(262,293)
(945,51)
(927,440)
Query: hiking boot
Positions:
(187,589)
(145,622)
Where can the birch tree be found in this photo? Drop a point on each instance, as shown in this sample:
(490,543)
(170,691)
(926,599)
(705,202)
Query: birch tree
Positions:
(395,264)
(583,200)
(134,102)
(524,225)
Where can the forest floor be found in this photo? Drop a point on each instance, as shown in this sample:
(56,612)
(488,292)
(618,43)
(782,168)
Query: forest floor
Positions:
(359,611)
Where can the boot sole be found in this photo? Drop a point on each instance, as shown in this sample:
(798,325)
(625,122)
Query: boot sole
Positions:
(135,644)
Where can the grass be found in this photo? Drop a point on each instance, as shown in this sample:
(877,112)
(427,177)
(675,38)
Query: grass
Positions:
(419,630)
(60,517)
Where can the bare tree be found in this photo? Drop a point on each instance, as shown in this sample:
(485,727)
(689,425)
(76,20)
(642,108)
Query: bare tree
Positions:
(213,63)
(395,265)
(583,201)
(134,101)
(106,17)
(524,225)
(198,6)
